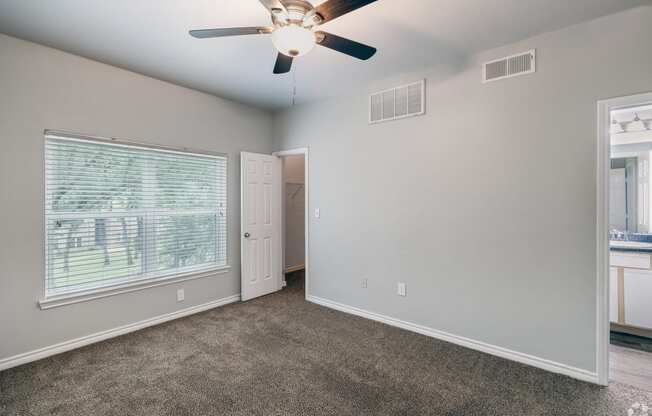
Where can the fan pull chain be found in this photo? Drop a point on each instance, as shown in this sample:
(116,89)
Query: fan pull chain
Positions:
(294,87)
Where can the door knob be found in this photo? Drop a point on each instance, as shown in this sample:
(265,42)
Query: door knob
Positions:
(247,235)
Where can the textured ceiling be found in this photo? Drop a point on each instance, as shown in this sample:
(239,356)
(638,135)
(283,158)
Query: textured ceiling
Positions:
(151,37)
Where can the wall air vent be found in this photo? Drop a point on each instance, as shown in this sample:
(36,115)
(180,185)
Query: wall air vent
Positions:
(511,66)
(397,103)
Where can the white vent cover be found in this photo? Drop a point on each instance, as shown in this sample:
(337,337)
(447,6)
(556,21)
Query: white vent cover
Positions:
(511,66)
(396,103)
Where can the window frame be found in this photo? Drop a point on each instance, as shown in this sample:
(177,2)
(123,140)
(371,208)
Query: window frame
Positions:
(124,285)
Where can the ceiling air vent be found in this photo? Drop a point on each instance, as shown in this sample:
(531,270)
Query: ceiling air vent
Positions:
(511,66)
(396,103)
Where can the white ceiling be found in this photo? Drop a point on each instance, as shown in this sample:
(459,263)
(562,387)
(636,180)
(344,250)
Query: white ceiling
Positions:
(151,37)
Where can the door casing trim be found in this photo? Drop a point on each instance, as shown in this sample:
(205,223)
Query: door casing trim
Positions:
(605,107)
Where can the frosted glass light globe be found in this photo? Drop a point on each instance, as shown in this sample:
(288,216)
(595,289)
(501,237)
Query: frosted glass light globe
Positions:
(293,40)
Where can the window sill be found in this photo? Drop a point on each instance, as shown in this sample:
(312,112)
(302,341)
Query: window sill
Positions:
(72,298)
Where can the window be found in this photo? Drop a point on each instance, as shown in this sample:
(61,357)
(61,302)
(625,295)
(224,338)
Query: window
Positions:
(121,213)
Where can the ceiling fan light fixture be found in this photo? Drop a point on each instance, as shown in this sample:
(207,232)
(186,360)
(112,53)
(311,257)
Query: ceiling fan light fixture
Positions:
(293,40)
(294,29)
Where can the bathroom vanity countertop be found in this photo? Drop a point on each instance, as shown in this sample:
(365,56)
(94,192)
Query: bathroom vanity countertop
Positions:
(632,246)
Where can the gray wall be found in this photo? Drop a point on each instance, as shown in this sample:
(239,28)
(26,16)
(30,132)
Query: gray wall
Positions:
(486,206)
(41,88)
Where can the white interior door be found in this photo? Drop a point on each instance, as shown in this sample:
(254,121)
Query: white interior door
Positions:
(260,211)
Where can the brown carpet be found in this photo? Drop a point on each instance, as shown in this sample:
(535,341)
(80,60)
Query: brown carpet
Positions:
(280,355)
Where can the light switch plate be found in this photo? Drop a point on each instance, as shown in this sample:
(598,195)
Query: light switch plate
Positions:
(181,295)
(365,283)
(317,213)
(401,289)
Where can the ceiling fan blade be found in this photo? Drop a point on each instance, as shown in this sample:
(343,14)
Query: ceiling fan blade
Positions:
(332,9)
(346,46)
(271,5)
(229,31)
(283,64)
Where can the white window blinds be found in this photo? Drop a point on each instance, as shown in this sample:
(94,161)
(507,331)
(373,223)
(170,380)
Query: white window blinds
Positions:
(119,213)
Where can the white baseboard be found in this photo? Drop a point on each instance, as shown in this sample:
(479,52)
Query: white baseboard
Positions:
(40,353)
(296,268)
(527,359)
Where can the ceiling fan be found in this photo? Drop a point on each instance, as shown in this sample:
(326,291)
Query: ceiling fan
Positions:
(294,31)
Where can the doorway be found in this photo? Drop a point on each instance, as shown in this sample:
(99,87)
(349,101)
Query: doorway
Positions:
(625,242)
(274,190)
(294,228)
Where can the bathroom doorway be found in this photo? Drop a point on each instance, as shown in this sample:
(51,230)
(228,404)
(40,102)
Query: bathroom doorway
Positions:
(625,242)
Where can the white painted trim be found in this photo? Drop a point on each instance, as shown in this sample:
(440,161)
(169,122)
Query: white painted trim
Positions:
(292,152)
(83,137)
(294,268)
(41,353)
(305,151)
(527,359)
(605,107)
(602,253)
(70,299)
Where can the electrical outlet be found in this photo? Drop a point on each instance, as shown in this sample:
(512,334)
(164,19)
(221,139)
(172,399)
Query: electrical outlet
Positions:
(365,281)
(401,289)
(181,295)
